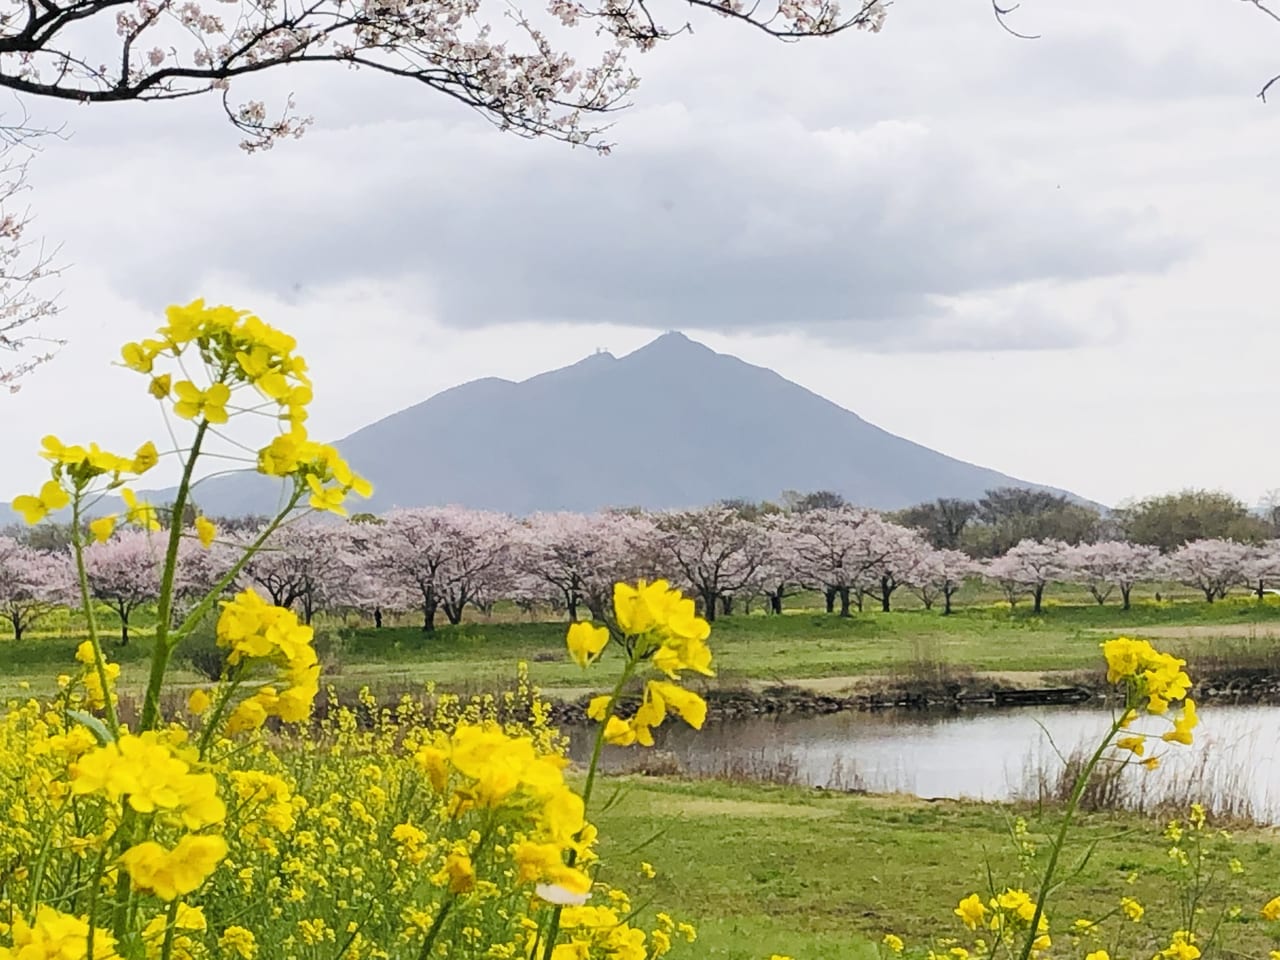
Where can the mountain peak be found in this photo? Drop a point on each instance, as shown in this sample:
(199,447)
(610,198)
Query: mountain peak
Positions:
(673,343)
(673,424)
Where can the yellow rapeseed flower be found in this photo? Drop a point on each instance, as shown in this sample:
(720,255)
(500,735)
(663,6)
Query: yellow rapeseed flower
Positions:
(1132,908)
(1183,724)
(1135,745)
(1181,947)
(585,642)
(142,514)
(144,458)
(103,527)
(893,942)
(210,403)
(1271,910)
(173,873)
(56,936)
(458,873)
(206,531)
(35,508)
(1146,671)
(972,911)
(198,703)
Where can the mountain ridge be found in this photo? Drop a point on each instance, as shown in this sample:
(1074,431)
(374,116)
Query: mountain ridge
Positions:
(672,424)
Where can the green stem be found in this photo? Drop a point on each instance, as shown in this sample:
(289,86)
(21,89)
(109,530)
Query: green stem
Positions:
(1077,791)
(211,725)
(598,748)
(207,602)
(162,649)
(170,919)
(553,930)
(436,924)
(99,661)
(94,885)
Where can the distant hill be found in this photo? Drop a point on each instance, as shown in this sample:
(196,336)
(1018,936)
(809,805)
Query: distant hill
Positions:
(673,424)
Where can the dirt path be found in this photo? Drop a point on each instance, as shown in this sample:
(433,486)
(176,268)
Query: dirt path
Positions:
(855,682)
(1215,631)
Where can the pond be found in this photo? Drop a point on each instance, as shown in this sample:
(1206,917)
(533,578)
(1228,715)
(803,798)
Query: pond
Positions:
(982,753)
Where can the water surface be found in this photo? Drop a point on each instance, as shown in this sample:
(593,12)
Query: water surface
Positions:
(978,753)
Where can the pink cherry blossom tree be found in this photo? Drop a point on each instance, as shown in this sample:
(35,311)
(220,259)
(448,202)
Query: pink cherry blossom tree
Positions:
(1028,568)
(33,583)
(443,557)
(1211,566)
(310,566)
(901,551)
(1110,565)
(941,573)
(1262,567)
(838,550)
(201,568)
(780,574)
(715,552)
(124,572)
(479,572)
(572,560)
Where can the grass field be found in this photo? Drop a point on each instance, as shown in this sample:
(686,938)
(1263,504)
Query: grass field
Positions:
(813,874)
(764,869)
(802,645)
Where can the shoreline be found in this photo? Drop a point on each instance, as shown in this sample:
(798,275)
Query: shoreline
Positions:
(871,694)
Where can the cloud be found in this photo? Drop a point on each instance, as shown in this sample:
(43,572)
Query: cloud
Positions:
(862,189)
(755,225)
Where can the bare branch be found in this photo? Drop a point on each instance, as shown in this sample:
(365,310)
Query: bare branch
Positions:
(1002,12)
(521,81)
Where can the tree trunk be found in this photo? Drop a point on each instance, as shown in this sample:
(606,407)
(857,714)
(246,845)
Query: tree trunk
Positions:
(709,606)
(946,603)
(573,609)
(726,605)
(1209,593)
(844,602)
(885,591)
(307,608)
(830,596)
(1260,589)
(124,631)
(17,626)
(377,617)
(1038,594)
(927,599)
(1124,595)
(775,603)
(429,615)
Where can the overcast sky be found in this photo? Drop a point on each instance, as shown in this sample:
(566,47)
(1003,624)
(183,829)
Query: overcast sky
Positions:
(1056,258)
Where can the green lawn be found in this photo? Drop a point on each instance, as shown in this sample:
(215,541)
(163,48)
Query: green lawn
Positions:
(800,645)
(763,869)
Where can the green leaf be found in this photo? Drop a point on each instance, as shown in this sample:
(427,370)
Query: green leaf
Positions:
(96,726)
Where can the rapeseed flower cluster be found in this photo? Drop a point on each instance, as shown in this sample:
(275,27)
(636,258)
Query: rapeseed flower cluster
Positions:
(257,632)
(250,825)
(655,626)
(1011,919)
(1153,681)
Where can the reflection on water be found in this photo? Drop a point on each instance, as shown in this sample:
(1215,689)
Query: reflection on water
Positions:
(980,754)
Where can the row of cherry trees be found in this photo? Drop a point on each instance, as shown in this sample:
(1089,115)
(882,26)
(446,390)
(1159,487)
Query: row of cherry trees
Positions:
(442,560)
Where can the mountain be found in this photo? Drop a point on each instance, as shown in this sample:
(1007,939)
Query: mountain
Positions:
(673,424)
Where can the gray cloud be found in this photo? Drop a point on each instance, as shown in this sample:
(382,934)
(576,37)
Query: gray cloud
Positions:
(829,217)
